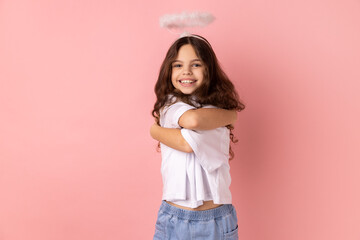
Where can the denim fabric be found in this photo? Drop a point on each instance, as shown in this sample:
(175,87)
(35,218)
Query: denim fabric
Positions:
(179,224)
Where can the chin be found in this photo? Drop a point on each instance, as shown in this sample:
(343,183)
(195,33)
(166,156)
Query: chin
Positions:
(187,92)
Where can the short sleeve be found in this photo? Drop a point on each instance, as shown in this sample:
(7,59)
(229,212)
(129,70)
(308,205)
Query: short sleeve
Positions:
(170,116)
(211,147)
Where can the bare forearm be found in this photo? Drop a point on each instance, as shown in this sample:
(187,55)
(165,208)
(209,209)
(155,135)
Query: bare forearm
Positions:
(207,118)
(171,137)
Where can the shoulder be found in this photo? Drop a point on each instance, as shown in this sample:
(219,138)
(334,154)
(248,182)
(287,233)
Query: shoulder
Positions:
(174,104)
(171,113)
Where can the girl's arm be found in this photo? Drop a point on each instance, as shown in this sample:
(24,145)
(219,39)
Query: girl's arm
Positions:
(207,118)
(171,137)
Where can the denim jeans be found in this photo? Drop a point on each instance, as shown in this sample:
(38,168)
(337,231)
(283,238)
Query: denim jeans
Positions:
(179,224)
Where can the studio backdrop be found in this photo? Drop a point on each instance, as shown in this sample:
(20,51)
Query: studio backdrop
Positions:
(76,95)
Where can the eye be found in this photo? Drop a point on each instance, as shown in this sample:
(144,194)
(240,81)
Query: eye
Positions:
(176,65)
(197,65)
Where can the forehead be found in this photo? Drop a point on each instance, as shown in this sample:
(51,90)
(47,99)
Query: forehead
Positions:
(186,52)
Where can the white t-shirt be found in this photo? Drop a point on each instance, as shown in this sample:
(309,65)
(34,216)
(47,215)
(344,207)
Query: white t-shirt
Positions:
(191,178)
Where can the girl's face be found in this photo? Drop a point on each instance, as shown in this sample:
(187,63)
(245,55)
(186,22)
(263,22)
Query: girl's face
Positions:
(187,70)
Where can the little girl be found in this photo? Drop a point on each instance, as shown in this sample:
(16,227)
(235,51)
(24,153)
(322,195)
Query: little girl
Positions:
(195,108)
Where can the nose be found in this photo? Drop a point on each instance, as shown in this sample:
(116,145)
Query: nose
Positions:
(186,71)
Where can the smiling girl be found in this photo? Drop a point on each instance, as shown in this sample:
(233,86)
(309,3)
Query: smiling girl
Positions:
(194,113)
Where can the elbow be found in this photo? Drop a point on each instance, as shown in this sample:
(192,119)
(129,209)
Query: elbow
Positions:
(187,148)
(190,121)
(153,136)
(235,116)
(153,131)
(193,124)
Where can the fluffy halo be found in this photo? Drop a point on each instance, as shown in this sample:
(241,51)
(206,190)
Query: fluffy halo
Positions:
(186,19)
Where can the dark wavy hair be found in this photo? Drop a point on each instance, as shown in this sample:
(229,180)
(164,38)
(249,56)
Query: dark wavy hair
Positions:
(216,89)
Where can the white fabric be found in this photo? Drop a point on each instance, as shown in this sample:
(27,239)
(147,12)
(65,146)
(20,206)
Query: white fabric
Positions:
(191,178)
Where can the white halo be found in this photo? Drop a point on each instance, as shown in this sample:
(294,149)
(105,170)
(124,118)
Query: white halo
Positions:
(186,20)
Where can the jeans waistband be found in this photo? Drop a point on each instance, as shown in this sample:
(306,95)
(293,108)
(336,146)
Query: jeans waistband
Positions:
(221,211)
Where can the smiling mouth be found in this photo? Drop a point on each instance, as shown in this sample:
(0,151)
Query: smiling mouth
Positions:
(187,81)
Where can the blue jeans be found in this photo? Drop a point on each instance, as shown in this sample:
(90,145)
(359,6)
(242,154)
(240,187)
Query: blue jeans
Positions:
(179,224)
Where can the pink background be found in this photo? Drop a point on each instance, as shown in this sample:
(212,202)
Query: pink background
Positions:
(76,92)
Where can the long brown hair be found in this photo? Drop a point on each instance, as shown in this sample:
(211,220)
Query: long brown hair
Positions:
(216,89)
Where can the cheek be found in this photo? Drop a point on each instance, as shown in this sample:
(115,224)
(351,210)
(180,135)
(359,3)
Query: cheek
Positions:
(200,74)
(173,77)
(173,81)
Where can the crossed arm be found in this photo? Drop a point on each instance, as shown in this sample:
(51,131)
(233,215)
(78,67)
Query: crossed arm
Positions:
(195,119)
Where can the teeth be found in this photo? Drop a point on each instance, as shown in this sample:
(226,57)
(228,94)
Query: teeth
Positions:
(186,81)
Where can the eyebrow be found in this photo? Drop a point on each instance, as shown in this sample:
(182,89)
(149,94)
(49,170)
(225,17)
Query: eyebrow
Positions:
(190,61)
